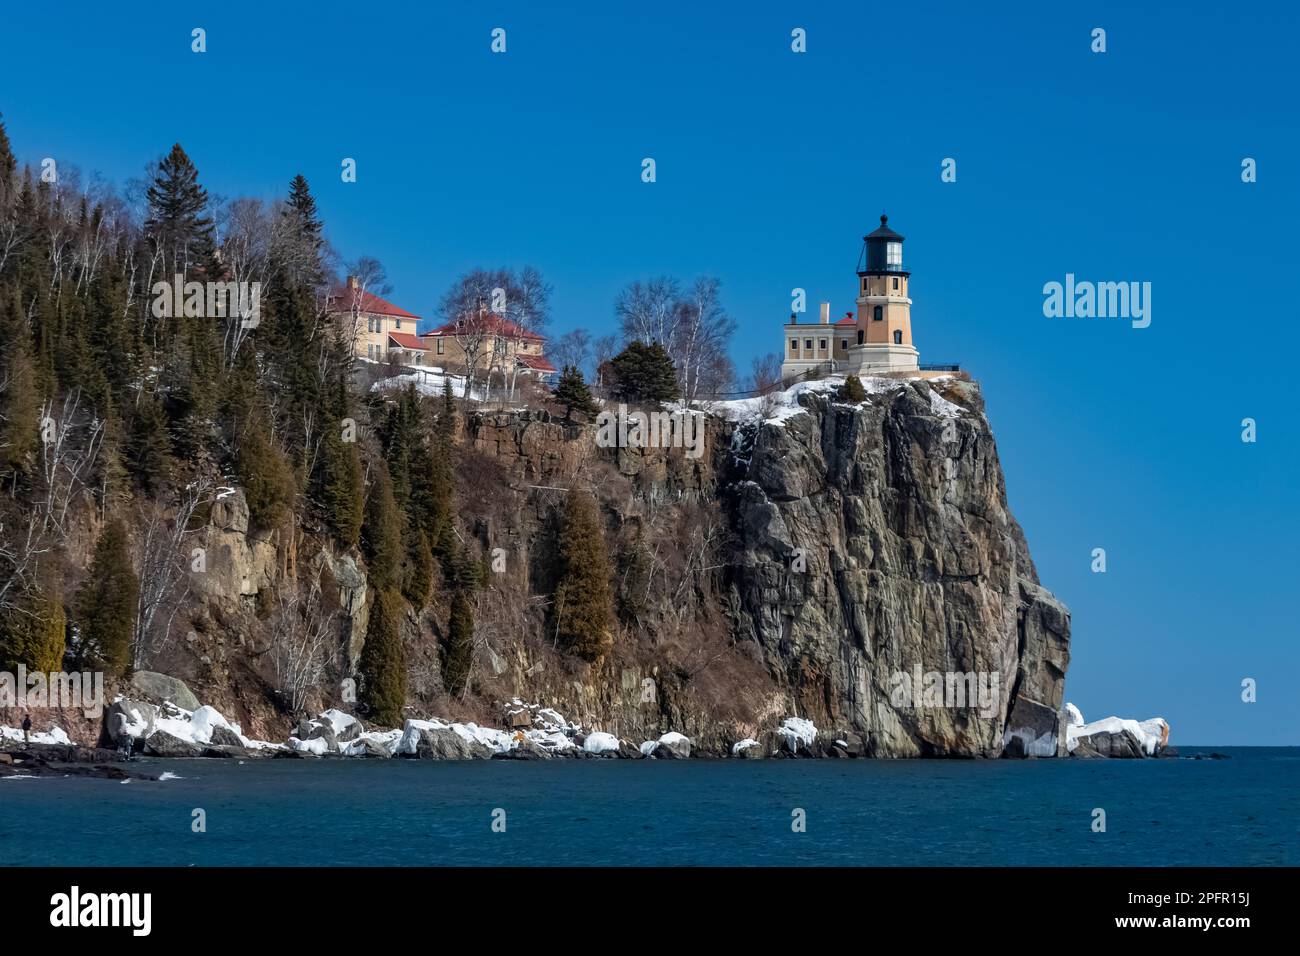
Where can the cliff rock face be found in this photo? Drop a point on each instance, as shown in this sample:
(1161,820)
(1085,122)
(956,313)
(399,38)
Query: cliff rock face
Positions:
(875,545)
(853,564)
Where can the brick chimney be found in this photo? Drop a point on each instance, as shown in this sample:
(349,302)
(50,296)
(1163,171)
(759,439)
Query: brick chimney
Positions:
(352,282)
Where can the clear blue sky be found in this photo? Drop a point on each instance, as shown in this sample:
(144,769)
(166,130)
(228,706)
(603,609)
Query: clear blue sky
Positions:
(771,165)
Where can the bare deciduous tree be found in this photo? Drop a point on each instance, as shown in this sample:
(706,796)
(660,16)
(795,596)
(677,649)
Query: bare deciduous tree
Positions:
(302,633)
(162,564)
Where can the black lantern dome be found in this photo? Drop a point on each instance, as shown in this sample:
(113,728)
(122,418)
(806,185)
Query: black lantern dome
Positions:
(882,252)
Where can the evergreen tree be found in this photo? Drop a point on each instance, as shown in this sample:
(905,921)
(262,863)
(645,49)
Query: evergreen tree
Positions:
(33,633)
(106,603)
(178,226)
(458,652)
(644,373)
(582,598)
(341,487)
(148,449)
(440,488)
(572,392)
(8,172)
(301,255)
(381,536)
(19,399)
(417,575)
(383,660)
(265,475)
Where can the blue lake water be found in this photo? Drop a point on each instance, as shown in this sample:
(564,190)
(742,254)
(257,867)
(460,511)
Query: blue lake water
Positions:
(1241,811)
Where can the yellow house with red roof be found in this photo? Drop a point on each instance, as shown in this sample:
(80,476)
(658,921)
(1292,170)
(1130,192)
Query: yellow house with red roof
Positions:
(382,332)
(379,328)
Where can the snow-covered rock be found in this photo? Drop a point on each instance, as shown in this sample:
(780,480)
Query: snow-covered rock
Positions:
(1114,736)
(598,742)
(796,732)
(740,747)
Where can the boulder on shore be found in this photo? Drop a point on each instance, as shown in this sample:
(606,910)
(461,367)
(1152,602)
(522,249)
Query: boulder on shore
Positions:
(150,684)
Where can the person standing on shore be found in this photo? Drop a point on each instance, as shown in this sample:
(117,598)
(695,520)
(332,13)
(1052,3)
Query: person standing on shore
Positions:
(27,729)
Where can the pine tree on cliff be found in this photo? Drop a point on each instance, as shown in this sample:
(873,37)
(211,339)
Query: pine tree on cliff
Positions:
(265,475)
(381,535)
(644,373)
(8,173)
(458,652)
(19,400)
(583,616)
(33,632)
(106,604)
(572,392)
(301,260)
(341,486)
(383,660)
(441,480)
(148,449)
(177,225)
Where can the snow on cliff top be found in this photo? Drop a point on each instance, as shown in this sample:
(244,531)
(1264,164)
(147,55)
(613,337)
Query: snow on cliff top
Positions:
(777,407)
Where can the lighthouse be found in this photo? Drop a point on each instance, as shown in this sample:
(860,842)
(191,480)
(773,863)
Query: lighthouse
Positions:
(877,338)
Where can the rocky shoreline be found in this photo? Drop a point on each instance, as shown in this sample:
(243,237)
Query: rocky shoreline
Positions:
(162,728)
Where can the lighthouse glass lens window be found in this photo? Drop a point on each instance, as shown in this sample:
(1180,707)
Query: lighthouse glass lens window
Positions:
(894,254)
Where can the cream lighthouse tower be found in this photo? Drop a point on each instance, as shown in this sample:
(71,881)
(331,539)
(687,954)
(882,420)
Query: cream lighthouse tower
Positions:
(875,341)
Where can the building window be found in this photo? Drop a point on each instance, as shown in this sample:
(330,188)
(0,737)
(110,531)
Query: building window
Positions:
(898,337)
(895,282)
(859,336)
(439,346)
(807,344)
(399,322)
(894,254)
(878,313)
(794,345)
(844,343)
(821,345)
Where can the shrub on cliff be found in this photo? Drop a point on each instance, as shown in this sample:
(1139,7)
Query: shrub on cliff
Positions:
(383,660)
(458,652)
(106,604)
(852,390)
(583,617)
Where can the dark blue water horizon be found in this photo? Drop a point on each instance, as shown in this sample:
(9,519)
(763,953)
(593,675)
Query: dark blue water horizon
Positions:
(1242,811)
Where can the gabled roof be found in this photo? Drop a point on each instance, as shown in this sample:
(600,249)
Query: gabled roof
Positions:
(847,320)
(490,323)
(538,363)
(343,299)
(407,340)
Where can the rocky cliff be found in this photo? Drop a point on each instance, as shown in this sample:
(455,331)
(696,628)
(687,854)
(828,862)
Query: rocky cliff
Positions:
(821,559)
(852,564)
